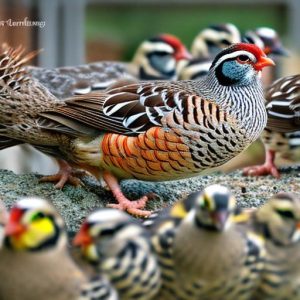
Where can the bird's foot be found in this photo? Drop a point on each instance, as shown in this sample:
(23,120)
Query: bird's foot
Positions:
(268,168)
(65,174)
(262,170)
(132,207)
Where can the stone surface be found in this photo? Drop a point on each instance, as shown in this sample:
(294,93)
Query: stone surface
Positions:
(75,203)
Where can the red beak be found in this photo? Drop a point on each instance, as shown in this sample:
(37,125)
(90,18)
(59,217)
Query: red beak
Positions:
(82,238)
(263,62)
(14,229)
(183,53)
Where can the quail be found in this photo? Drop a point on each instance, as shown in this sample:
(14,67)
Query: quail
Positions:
(211,40)
(149,130)
(155,59)
(278,222)
(35,262)
(120,248)
(203,254)
(281,135)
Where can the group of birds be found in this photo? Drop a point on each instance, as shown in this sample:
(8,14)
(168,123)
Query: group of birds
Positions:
(203,247)
(141,125)
(139,120)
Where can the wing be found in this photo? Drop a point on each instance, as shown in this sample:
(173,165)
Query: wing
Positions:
(283,104)
(66,82)
(129,110)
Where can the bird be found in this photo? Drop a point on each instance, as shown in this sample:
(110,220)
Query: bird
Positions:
(35,262)
(278,222)
(120,248)
(160,130)
(282,133)
(212,39)
(155,59)
(202,253)
(267,39)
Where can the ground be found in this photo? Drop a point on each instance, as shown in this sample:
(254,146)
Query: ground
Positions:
(75,203)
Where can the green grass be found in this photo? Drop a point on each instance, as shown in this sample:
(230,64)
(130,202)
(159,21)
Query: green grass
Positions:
(129,25)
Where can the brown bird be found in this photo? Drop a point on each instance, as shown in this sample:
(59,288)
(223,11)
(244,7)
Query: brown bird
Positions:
(35,263)
(281,136)
(149,130)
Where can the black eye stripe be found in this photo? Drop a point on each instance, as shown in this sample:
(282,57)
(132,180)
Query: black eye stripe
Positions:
(286,214)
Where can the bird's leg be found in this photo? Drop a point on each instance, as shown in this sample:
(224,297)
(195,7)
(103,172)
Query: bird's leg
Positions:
(268,168)
(132,207)
(65,174)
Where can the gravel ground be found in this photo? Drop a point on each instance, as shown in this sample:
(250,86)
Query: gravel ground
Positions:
(75,203)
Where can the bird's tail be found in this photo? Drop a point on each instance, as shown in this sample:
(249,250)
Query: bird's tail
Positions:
(12,67)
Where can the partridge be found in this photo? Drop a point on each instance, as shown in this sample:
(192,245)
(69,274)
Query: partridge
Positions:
(149,130)
(203,254)
(278,221)
(281,135)
(120,248)
(267,39)
(211,40)
(35,262)
(155,59)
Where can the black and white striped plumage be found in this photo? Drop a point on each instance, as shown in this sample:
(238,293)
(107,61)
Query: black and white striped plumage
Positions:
(120,248)
(203,254)
(281,136)
(155,59)
(278,222)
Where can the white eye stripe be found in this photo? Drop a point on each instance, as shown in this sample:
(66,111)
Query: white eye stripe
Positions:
(234,55)
(157,46)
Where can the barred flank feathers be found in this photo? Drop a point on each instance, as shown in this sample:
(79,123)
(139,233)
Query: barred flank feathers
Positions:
(12,71)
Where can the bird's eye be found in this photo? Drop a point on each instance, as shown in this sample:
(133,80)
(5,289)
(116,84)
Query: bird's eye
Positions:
(37,216)
(243,59)
(161,53)
(285,213)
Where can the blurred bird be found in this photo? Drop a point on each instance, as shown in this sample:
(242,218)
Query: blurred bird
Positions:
(267,39)
(149,130)
(281,136)
(35,262)
(211,40)
(120,248)
(202,253)
(156,59)
(278,221)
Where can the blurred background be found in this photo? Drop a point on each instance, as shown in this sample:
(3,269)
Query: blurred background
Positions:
(73,32)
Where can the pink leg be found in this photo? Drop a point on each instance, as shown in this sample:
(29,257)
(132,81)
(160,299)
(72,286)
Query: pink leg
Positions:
(65,174)
(132,207)
(268,168)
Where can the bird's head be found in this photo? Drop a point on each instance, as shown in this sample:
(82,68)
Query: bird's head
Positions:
(103,232)
(279,218)
(239,65)
(33,225)
(157,57)
(211,40)
(271,41)
(214,207)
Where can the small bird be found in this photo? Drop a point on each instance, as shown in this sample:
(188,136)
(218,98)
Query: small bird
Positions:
(211,40)
(156,59)
(120,248)
(155,131)
(202,253)
(282,133)
(267,39)
(278,221)
(35,262)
